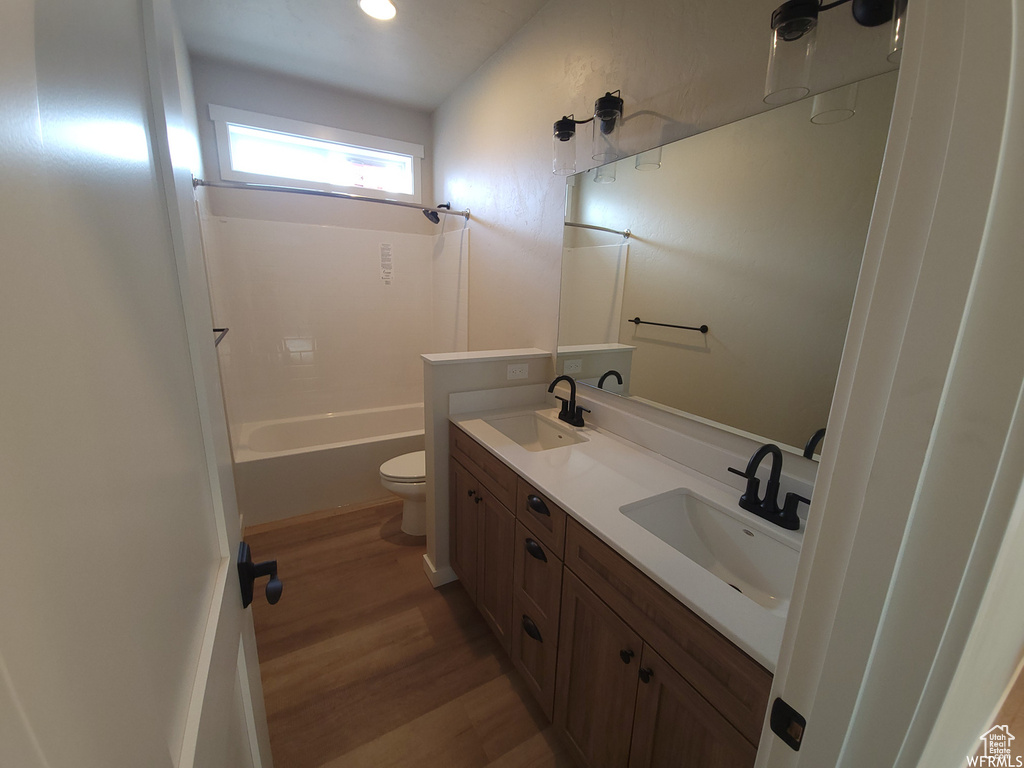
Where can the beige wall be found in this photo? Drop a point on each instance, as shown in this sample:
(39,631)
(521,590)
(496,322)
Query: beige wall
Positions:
(682,65)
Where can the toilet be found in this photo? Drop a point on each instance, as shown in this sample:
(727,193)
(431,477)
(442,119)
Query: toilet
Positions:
(406,477)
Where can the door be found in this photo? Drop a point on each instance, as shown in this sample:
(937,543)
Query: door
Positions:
(463,525)
(598,658)
(123,641)
(675,727)
(496,530)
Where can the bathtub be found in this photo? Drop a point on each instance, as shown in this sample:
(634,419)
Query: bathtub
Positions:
(289,467)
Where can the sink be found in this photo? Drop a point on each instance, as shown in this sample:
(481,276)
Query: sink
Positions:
(535,433)
(737,552)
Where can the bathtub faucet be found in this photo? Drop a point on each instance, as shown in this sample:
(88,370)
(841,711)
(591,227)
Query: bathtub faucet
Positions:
(570,413)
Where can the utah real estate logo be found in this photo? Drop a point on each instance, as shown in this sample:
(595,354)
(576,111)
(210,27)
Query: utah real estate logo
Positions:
(998,749)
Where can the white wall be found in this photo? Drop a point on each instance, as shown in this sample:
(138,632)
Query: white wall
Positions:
(682,66)
(232,85)
(297,279)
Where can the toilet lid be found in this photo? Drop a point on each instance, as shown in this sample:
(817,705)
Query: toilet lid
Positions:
(407,468)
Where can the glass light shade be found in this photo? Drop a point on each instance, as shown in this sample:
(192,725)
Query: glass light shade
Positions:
(899,31)
(605,137)
(789,67)
(649,160)
(564,154)
(378,9)
(834,106)
(605,174)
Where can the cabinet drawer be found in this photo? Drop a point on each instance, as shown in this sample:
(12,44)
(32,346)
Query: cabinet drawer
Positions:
(544,518)
(534,652)
(538,577)
(498,478)
(731,681)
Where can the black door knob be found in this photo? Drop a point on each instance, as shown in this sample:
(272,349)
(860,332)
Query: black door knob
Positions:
(248,572)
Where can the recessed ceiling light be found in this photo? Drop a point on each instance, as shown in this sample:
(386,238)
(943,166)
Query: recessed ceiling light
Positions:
(378,9)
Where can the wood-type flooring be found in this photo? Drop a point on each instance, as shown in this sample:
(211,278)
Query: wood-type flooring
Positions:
(365,664)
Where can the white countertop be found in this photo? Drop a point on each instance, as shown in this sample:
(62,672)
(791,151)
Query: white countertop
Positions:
(592,480)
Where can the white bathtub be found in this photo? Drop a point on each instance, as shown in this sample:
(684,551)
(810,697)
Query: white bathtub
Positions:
(290,467)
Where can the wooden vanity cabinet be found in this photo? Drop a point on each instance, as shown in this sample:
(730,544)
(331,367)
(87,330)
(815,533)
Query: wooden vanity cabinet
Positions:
(631,677)
(595,697)
(537,594)
(675,726)
(482,530)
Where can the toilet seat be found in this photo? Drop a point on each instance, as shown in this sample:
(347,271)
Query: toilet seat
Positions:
(407,468)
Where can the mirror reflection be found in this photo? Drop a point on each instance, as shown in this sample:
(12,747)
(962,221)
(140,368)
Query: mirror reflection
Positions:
(755,229)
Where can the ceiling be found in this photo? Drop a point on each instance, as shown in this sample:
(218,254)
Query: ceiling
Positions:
(417,59)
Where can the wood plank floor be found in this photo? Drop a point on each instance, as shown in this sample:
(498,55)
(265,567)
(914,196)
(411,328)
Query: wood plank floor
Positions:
(365,664)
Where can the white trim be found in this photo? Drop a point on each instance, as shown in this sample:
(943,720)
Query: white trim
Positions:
(221,116)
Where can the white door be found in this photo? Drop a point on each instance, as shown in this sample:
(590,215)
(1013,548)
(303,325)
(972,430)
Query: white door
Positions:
(122,637)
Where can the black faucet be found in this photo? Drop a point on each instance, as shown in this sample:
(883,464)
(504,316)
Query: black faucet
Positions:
(570,413)
(812,443)
(616,374)
(768,505)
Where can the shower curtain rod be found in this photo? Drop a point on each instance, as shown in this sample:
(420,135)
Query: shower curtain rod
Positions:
(320,193)
(625,233)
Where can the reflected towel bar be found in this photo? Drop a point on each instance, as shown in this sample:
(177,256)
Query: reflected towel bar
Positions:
(625,233)
(638,321)
(321,193)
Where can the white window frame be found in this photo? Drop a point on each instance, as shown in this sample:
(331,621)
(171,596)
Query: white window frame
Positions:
(223,116)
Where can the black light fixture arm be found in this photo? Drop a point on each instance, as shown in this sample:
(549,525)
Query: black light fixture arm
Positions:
(795,18)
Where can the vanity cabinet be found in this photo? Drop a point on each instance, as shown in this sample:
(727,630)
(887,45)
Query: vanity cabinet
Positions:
(537,591)
(482,530)
(631,677)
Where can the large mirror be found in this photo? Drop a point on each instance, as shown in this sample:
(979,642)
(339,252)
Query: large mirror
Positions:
(755,229)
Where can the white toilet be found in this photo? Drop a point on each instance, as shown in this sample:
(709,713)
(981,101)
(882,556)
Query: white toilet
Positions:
(406,477)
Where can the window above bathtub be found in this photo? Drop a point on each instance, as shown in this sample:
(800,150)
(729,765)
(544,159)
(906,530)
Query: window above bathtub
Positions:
(263,149)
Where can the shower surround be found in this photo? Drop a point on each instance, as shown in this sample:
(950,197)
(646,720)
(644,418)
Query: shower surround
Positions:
(325,321)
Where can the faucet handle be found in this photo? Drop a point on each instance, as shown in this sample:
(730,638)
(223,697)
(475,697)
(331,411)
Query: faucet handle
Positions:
(739,472)
(789,519)
(565,406)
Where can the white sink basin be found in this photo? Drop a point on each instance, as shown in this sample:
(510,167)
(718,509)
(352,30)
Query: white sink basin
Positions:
(535,433)
(737,552)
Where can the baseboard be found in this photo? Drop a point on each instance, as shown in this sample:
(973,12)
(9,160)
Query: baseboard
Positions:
(437,577)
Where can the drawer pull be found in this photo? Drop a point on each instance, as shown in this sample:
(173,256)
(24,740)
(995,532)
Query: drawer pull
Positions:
(626,655)
(531,629)
(537,505)
(646,673)
(535,550)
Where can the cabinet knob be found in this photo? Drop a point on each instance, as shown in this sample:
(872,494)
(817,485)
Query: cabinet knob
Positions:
(536,503)
(535,550)
(626,655)
(471,494)
(478,499)
(646,673)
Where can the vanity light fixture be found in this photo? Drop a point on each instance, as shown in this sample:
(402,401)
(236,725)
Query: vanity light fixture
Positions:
(794,35)
(607,111)
(383,10)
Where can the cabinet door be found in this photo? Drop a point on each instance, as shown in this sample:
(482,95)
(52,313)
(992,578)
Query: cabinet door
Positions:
(496,531)
(598,659)
(462,525)
(675,727)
